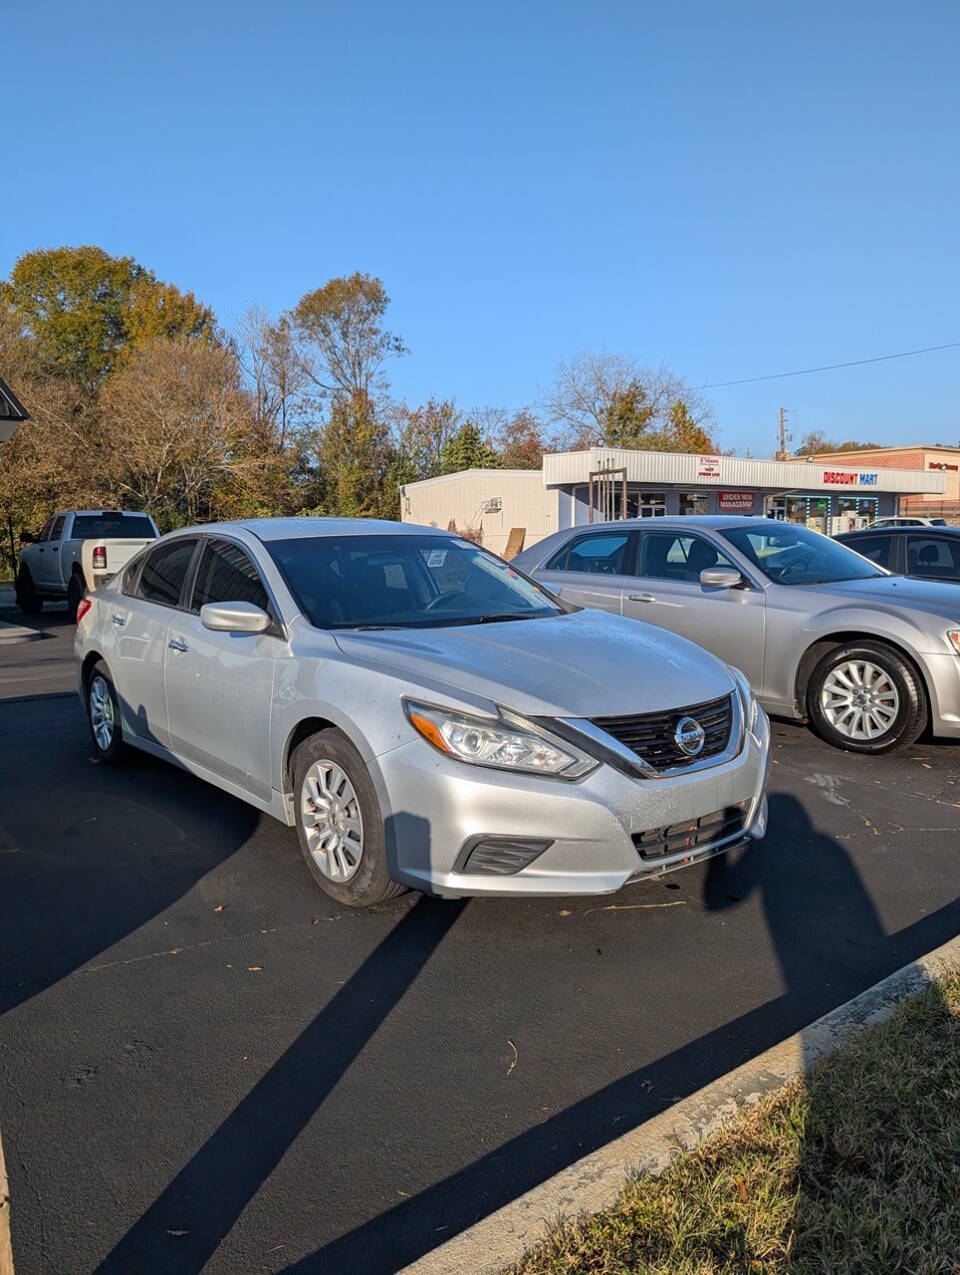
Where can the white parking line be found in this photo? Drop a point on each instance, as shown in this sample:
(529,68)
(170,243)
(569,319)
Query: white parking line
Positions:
(6,1252)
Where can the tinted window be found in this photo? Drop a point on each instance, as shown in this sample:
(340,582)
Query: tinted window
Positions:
(797,555)
(670,555)
(878,549)
(935,557)
(56,531)
(117,526)
(44,533)
(404,581)
(165,571)
(226,574)
(602,554)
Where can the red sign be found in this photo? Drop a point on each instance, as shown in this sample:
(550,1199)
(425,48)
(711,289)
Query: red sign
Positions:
(735,502)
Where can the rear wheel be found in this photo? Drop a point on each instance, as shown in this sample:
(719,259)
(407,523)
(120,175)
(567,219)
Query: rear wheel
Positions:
(339,822)
(27,599)
(74,595)
(103,716)
(867,698)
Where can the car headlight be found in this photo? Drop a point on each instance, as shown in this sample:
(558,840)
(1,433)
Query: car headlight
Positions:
(748,701)
(504,743)
(953,637)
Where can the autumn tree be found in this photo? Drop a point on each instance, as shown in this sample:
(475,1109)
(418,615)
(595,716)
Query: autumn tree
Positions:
(343,338)
(354,459)
(420,435)
(520,440)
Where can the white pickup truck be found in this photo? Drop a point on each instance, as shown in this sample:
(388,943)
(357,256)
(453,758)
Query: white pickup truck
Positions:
(77,550)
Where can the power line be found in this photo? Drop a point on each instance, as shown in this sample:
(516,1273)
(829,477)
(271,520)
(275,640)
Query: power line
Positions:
(830,367)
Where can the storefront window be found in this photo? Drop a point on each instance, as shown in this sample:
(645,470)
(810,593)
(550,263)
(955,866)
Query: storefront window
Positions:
(653,504)
(853,512)
(694,502)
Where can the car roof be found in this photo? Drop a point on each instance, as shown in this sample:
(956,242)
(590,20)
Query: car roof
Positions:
(708,522)
(916,527)
(310,527)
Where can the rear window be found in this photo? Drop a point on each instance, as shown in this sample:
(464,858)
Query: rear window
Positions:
(112,526)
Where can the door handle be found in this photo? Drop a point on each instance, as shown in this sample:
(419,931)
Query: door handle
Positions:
(119,620)
(641,597)
(176,645)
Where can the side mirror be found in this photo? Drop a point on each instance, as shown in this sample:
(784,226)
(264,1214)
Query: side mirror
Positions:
(234,617)
(27,538)
(720,578)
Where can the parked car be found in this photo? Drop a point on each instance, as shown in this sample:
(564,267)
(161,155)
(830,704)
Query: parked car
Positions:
(922,553)
(908,520)
(424,714)
(822,634)
(77,549)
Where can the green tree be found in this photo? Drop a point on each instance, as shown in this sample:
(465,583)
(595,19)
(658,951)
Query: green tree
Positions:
(354,458)
(683,433)
(345,343)
(81,307)
(468,449)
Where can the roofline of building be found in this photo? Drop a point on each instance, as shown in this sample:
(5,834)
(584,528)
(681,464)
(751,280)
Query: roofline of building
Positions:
(874,451)
(476,471)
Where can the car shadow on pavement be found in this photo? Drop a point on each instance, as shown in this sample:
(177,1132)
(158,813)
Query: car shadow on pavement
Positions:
(854,954)
(88,853)
(209,1193)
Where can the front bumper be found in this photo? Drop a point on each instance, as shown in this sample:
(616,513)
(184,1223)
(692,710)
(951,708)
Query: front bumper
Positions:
(435,805)
(943,680)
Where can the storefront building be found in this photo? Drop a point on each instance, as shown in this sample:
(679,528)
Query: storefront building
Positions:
(603,484)
(934,459)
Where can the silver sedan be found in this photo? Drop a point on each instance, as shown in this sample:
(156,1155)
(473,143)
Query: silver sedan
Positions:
(822,633)
(425,715)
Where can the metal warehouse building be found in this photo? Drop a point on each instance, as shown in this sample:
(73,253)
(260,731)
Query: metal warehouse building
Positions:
(605,483)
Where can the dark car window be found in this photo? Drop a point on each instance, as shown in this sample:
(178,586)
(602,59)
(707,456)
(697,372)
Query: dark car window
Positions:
(933,557)
(793,555)
(673,555)
(404,581)
(56,531)
(164,572)
(226,574)
(878,549)
(44,533)
(116,526)
(601,554)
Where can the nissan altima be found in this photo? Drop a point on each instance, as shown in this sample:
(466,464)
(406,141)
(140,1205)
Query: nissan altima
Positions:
(425,715)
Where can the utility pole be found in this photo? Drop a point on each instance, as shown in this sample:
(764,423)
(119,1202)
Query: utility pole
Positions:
(782,453)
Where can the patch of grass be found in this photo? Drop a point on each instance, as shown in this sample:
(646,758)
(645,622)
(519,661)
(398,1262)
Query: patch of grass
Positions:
(854,1171)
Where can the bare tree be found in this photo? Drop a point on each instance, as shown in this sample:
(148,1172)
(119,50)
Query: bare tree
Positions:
(606,399)
(267,350)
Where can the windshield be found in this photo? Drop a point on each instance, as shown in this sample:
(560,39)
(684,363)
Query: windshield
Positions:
(787,554)
(401,581)
(116,526)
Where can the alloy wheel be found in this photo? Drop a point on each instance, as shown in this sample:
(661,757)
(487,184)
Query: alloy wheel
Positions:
(332,822)
(860,700)
(101,713)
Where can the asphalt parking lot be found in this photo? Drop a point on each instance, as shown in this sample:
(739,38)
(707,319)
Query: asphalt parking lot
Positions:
(204,1063)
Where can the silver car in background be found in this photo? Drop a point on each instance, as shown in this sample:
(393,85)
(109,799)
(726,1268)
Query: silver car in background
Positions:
(820,632)
(424,714)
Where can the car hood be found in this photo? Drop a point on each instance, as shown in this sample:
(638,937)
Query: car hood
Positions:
(583,664)
(895,591)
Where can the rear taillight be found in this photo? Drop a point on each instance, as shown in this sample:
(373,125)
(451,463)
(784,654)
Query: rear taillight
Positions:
(100,558)
(83,606)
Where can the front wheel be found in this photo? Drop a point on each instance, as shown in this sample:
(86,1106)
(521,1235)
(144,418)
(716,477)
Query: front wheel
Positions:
(339,823)
(103,716)
(866,698)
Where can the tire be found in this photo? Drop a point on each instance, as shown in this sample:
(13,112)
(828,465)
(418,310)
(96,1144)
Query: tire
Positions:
(103,716)
(74,595)
(348,861)
(865,697)
(27,599)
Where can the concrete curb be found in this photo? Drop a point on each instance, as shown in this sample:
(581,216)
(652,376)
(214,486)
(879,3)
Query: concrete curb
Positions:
(594,1182)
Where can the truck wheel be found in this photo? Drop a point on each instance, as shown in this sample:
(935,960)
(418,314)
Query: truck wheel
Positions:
(26,595)
(339,823)
(103,716)
(74,596)
(865,697)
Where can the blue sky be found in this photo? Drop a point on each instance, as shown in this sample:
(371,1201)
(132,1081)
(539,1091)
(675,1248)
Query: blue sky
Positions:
(732,189)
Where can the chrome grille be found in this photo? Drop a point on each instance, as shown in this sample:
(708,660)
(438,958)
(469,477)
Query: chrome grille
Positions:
(651,735)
